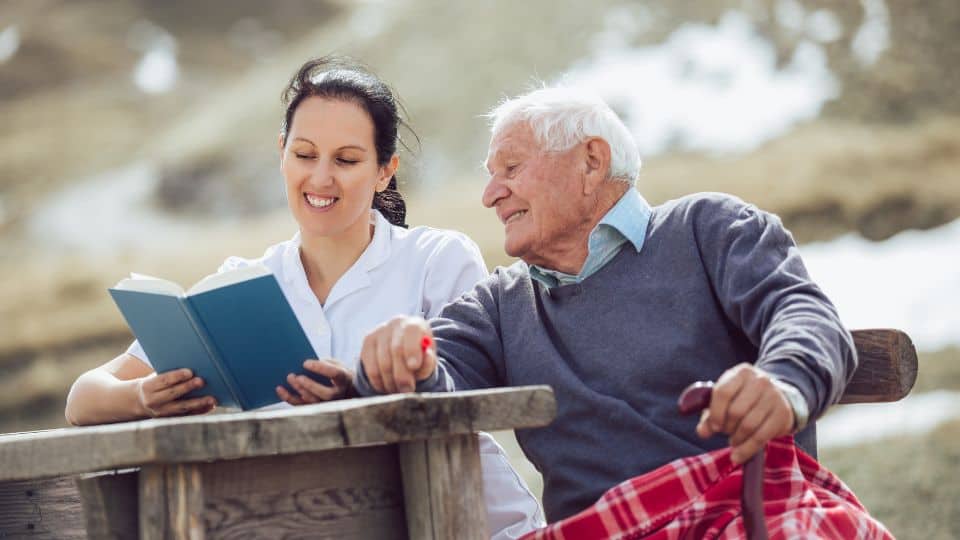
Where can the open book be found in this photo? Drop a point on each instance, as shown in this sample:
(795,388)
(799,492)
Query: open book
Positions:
(234,329)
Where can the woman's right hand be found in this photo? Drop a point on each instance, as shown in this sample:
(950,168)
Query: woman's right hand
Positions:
(159,394)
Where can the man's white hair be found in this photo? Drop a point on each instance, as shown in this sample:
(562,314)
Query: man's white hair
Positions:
(563,117)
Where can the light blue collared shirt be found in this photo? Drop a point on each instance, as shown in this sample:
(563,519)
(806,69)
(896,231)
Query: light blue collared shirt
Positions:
(625,222)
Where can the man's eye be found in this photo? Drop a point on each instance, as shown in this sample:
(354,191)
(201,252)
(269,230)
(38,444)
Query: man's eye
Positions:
(510,169)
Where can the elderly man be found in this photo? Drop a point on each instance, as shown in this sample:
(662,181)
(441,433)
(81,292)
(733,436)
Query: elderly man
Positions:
(619,306)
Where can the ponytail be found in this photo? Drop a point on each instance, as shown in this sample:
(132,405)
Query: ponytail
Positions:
(390,203)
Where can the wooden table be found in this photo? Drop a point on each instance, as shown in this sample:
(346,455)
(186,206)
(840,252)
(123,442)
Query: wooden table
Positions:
(401,466)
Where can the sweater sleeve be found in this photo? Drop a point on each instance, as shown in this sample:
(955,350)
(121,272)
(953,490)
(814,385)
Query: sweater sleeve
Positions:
(764,289)
(467,333)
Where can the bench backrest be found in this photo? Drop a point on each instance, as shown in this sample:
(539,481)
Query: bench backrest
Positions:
(887,368)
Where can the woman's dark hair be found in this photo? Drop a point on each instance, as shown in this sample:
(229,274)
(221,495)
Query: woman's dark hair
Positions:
(344,79)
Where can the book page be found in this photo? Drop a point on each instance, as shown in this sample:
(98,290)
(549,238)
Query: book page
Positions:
(149,284)
(229,277)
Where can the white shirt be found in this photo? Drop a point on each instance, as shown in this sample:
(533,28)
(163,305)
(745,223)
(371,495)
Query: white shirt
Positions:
(401,272)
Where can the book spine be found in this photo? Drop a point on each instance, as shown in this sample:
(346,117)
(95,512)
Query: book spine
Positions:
(213,352)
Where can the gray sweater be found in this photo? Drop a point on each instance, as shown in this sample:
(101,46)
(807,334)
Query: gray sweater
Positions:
(716,282)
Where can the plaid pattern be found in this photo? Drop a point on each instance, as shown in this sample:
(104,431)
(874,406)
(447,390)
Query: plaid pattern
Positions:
(699,497)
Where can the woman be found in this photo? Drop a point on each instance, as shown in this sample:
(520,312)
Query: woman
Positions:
(352,265)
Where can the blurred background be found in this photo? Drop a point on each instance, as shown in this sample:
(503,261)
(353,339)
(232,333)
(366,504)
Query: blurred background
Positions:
(142,136)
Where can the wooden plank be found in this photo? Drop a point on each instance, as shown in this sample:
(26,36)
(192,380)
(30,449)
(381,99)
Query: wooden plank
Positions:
(48,508)
(311,428)
(171,502)
(69,451)
(437,477)
(342,493)
(423,416)
(110,503)
(416,492)
(887,367)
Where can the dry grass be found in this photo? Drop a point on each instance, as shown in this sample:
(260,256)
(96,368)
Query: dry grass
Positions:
(911,484)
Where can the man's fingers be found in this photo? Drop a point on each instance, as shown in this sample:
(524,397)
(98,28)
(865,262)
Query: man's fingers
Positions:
(429,364)
(745,450)
(401,356)
(750,423)
(413,346)
(724,392)
(750,397)
(403,378)
(703,427)
(385,359)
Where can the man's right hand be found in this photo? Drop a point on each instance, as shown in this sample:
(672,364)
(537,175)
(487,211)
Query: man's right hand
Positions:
(159,394)
(393,358)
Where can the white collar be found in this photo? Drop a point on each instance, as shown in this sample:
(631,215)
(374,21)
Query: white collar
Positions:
(356,277)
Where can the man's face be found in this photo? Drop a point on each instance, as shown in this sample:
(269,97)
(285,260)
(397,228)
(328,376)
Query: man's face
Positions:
(538,196)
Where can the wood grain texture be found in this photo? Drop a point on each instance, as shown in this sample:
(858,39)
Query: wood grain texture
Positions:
(48,508)
(171,502)
(339,424)
(437,476)
(353,493)
(887,368)
(109,502)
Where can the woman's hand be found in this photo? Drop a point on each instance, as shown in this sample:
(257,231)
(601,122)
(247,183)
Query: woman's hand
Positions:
(310,391)
(159,394)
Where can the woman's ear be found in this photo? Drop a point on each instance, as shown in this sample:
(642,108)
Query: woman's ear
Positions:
(597,161)
(387,172)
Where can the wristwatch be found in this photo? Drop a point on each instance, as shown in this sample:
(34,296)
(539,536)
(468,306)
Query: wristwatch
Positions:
(801,412)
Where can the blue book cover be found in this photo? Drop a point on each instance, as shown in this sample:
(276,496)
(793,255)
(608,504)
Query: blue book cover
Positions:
(234,329)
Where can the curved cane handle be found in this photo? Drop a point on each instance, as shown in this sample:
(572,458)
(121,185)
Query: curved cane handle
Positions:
(696,398)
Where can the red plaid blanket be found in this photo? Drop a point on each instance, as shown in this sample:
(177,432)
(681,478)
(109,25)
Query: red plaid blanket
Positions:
(699,497)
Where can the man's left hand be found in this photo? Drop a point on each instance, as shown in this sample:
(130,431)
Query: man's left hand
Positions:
(746,405)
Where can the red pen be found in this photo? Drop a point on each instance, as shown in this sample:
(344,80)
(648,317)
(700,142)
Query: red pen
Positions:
(425,343)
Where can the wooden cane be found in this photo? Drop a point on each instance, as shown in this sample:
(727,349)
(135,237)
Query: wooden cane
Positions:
(694,399)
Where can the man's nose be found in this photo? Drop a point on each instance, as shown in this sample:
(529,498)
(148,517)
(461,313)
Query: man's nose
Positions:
(494,191)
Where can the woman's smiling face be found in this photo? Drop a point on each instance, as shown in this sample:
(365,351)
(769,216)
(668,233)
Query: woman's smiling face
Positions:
(329,165)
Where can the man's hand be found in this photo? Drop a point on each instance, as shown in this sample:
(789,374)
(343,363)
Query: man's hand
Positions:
(159,394)
(392,356)
(310,391)
(748,407)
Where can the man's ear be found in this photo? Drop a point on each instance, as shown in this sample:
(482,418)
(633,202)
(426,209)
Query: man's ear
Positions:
(597,161)
(388,171)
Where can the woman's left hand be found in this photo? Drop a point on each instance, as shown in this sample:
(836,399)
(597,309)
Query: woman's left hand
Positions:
(310,391)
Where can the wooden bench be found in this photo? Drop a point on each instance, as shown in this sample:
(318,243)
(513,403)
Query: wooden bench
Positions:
(390,467)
